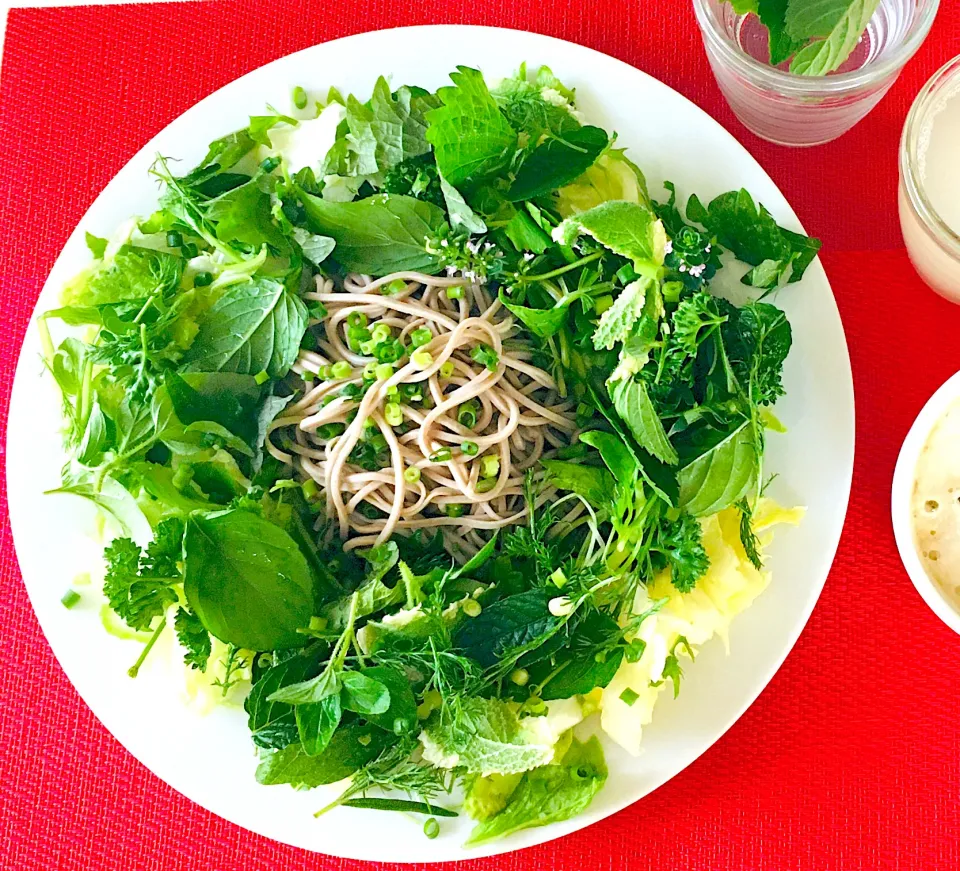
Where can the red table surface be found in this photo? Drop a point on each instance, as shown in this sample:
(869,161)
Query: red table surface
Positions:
(848,760)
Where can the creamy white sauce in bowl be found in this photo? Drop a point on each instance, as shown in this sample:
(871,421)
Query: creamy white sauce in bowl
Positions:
(925,503)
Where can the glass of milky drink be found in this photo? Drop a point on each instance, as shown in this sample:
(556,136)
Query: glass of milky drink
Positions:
(930,182)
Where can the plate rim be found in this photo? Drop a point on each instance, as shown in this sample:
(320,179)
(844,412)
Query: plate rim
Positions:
(555,831)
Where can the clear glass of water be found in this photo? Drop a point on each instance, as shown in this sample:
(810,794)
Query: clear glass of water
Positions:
(789,109)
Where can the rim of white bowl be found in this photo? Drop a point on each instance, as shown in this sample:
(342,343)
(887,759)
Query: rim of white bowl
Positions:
(901,496)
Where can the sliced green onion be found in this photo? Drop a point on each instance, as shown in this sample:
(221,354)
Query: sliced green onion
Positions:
(431,828)
(356,319)
(341,369)
(398,285)
(367,348)
(485,485)
(174,239)
(441,456)
(455,509)
(381,332)
(70,598)
(308,375)
(317,310)
(559,579)
(330,430)
(486,356)
(470,449)
(203,279)
(447,369)
(490,466)
(535,705)
(299,97)
(520,676)
(471,607)
(420,336)
(629,696)
(421,359)
(393,390)
(467,414)
(454,292)
(309,488)
(411,474)
(390,351)
(383,371)
(261,377)
(393,413)
(370,371)
(189,250)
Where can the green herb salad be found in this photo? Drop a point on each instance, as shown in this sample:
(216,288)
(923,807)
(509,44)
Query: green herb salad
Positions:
(445,444)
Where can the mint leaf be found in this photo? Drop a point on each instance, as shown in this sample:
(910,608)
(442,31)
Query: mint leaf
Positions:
(378,235)
(246,580)
(363,694)
(617,322)
(244,216)
(717,468)
(273,724)
(841,23)
(483,736)
(506,624)
(629,229)
(549,794)
(254,327)
(617,457)
(633,404)
(773,15)
(471,138)
(541,322)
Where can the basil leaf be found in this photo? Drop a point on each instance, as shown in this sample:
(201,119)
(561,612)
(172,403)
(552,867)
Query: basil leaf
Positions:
(316,723)
(471,138)
(549,794)
(351,747)
(254,327)
(461,215)
(557,161)
(615,454)
(594,484)
(225,398)
(246,580)
(378,235)
(720,471)
(244,215)
(633,404)
(505,624)
(314,248)
(582,674)
(273,724)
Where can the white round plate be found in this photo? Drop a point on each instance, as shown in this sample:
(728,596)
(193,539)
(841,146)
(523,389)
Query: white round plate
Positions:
(209,758)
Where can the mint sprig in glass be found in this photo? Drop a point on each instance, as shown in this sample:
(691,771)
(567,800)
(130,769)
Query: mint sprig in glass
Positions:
(803,72)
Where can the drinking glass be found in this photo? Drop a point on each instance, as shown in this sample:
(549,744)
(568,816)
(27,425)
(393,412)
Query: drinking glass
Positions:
(796,110)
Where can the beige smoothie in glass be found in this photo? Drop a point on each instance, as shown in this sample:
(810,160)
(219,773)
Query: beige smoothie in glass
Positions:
(930,182)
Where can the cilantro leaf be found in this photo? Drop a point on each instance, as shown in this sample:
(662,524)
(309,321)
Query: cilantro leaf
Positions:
(194,637)
(471,138)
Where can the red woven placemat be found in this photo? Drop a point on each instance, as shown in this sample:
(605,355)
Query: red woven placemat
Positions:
(849,760)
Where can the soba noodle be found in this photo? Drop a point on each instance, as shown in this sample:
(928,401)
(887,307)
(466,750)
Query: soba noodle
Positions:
(519,415)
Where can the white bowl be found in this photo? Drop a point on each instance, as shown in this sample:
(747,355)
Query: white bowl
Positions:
(902,495)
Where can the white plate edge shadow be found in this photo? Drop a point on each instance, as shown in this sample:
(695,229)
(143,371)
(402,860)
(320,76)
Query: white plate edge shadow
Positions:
(468,40)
